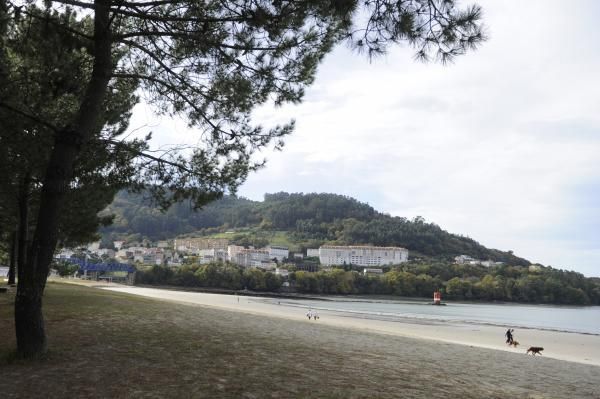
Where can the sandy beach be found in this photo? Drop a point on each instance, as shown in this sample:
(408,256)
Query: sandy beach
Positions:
(572,347)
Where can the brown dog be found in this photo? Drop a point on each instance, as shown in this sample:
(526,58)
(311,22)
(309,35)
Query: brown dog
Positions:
(535,350)
(514,343)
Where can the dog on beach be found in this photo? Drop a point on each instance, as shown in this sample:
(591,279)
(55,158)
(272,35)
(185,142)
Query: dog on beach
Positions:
(535,350)
(514,343)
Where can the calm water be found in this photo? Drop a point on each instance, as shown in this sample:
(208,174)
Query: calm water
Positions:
(560,318)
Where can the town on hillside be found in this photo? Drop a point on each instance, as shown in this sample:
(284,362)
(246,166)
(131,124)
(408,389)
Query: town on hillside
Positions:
(273,258)
(207,250)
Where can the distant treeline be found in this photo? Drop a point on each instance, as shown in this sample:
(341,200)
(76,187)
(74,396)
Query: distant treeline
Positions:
(213,275)
(309,219)
(458,282)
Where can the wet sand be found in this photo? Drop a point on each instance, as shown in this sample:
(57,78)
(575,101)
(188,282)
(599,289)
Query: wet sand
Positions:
(571,347)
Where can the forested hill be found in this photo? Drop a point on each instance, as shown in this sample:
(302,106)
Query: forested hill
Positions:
(308,219)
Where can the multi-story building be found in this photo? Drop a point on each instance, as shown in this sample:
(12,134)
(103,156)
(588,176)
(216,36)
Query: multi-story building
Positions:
(232,251)
(194,245)
(212,255)
(279,253)
(362,255)
(252,257)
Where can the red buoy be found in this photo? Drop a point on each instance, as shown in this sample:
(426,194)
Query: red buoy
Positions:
(437,297)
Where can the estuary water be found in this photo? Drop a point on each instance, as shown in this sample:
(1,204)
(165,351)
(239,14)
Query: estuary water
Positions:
(583,320)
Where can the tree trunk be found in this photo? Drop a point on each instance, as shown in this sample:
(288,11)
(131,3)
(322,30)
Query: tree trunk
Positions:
(29,321)
(13,258)
(23,223)
(31,336)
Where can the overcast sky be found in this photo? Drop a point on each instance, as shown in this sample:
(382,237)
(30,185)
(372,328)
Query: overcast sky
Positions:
(502,146)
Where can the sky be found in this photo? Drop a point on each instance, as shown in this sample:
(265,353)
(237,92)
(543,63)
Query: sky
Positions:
(502,146)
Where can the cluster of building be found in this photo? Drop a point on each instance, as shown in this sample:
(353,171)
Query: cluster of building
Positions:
(218,249)
(156,255)
(207,250)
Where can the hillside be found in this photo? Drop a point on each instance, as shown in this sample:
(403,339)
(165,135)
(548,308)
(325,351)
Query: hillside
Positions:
(299,220)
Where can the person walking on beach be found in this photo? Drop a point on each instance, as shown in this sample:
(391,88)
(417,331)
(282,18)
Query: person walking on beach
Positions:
(509,336)
(309,314)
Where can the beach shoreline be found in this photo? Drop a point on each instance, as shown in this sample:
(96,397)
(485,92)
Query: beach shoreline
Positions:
(566,346)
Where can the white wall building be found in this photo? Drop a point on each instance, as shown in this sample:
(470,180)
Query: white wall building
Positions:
(193,245)
(463,259)
(362,255)
(232,251)
(280,253)
(212,255)
(252,257)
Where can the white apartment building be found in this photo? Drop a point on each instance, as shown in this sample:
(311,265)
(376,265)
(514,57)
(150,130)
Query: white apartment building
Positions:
(280,253)
(362,255)
(252,257)
(212,255)
(194,245)
(232,251)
